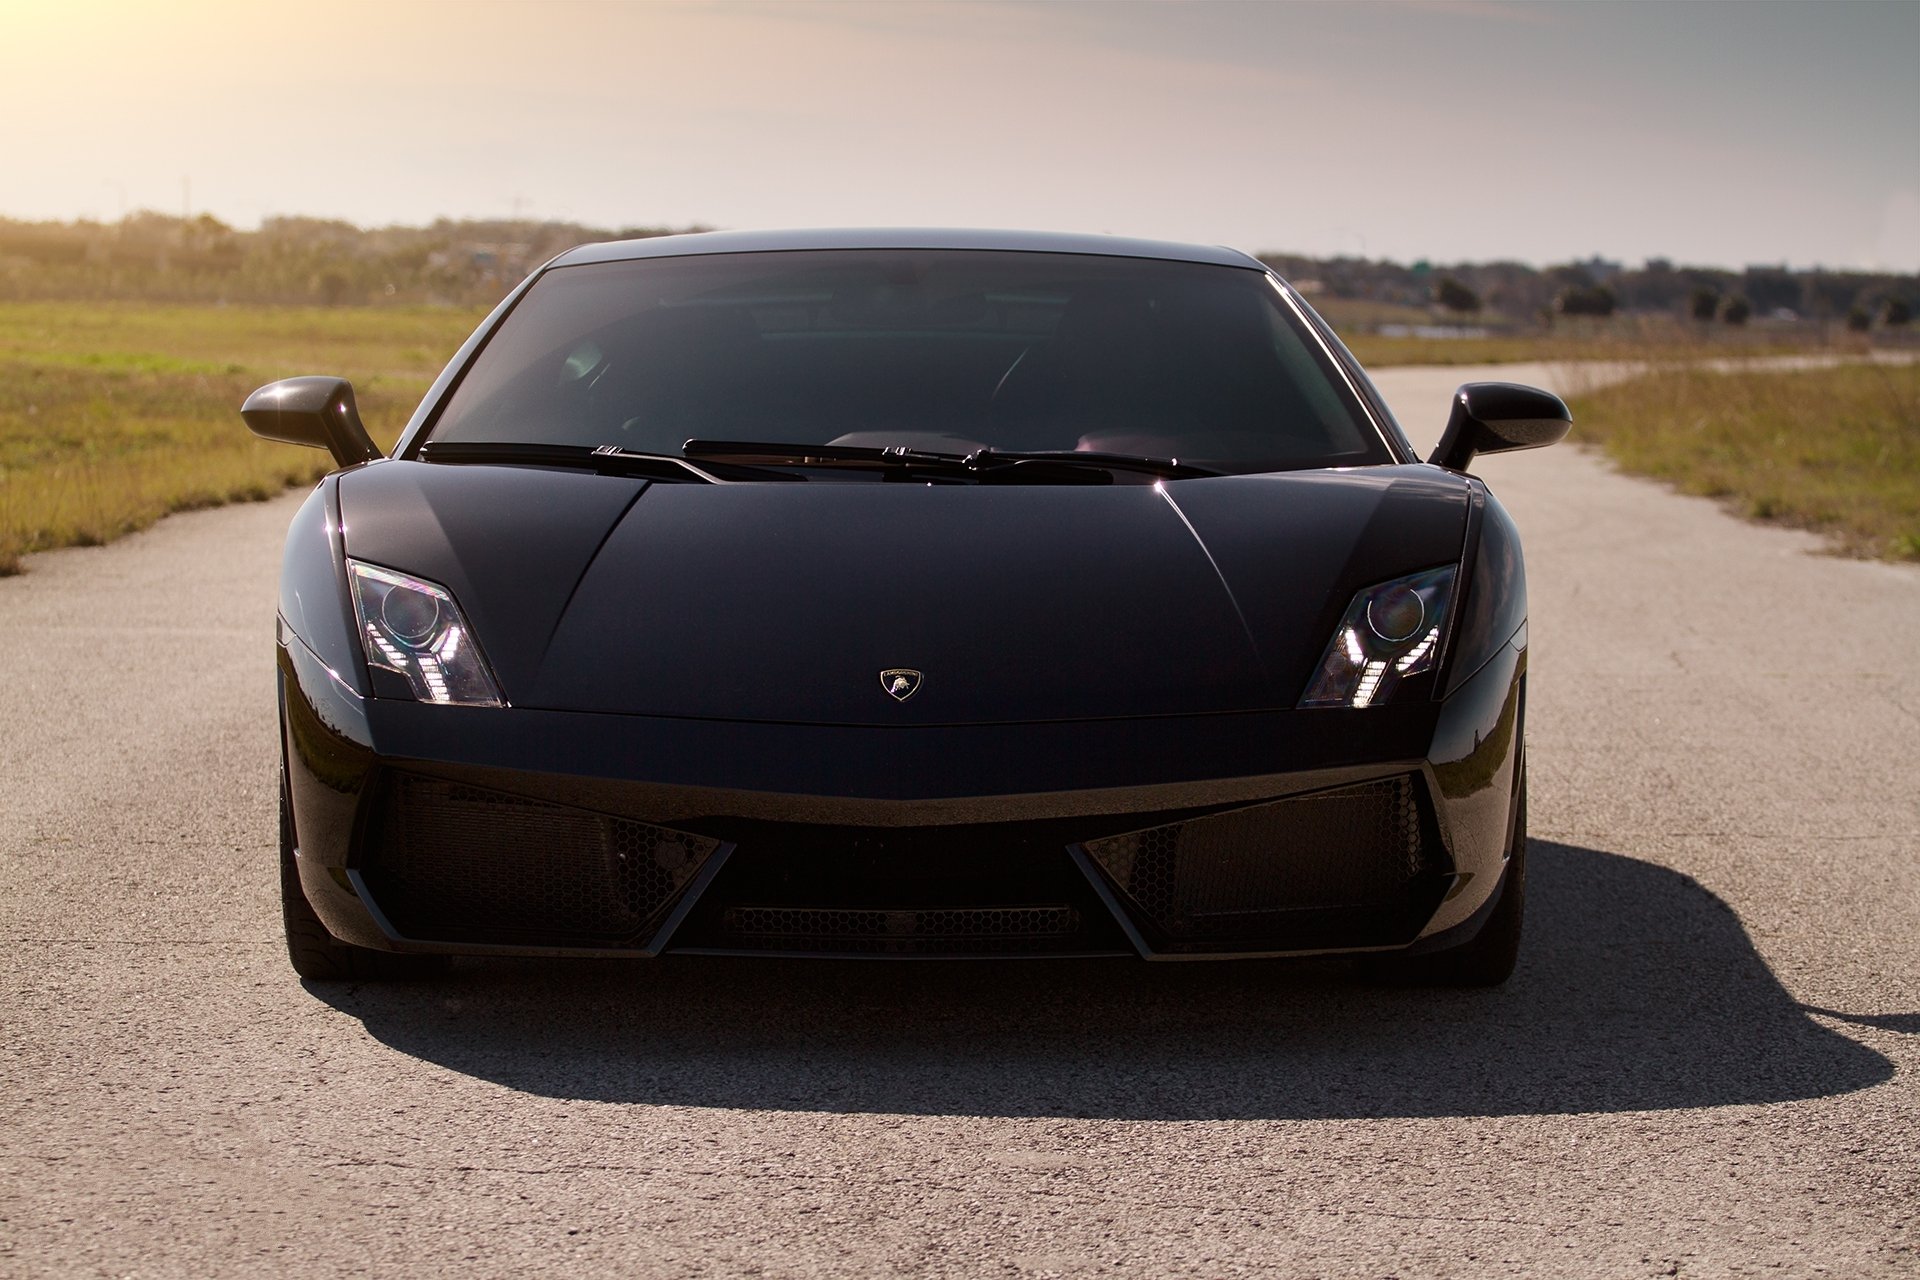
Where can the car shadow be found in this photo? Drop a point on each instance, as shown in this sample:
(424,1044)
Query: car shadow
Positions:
(1638,990)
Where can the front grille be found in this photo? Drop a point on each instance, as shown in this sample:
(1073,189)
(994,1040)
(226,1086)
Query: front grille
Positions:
(451,862)
(1284,875)
(901,931)
(990,889)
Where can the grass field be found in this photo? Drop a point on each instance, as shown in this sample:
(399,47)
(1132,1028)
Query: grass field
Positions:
(1377,352)
(1834,450)
(1635,341)
(111,416)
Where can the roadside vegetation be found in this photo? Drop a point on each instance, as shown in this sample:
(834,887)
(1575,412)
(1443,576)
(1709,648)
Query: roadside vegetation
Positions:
(1382,336)
(1565,345)
(113,415)
(1833,450)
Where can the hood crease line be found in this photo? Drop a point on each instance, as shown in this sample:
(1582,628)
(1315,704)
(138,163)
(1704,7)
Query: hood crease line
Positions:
(1259,655)
(586,568)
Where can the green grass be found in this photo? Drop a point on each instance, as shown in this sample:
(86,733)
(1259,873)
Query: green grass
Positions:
(111,416)
(1833,450)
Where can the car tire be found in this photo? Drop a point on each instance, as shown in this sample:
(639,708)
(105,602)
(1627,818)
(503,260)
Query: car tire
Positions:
(316,954)
(1487,959)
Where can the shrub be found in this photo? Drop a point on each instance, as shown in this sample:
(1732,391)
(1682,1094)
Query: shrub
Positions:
(1586,300)
(1454,296)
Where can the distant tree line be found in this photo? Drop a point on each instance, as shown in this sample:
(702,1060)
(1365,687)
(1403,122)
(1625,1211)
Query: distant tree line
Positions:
(1516,293)
(155,257)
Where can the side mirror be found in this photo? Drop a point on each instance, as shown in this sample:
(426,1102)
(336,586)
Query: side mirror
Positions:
(316,411)
(1493,417)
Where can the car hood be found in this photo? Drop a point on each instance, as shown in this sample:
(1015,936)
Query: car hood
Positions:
(785,602)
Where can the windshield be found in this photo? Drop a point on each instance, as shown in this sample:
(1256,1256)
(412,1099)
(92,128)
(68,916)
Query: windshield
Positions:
(943,350)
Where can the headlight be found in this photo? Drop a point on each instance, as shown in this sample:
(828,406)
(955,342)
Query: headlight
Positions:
(1390,631)
(414,628)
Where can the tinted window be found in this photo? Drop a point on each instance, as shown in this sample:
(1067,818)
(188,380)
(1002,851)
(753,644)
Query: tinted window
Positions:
(933,349)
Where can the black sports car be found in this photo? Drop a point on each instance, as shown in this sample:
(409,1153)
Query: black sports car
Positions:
(903,593)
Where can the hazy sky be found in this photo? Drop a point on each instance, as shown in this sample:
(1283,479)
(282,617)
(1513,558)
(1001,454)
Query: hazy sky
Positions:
(1722,133)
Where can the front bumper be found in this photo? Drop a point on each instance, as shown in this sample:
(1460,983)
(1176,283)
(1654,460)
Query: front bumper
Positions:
(482,830)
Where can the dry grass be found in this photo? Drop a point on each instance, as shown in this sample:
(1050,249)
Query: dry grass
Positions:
(1636,340)
(1834,450)
(1377,352)
(112,416)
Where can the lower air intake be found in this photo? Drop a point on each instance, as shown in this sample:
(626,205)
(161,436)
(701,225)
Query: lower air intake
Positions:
(910,931)
(994,889)
(1354,865)
(450,862)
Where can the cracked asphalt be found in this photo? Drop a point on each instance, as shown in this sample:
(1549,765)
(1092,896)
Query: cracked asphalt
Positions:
(1705,1066)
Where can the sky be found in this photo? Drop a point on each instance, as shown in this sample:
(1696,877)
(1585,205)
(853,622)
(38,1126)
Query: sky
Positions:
(1722,134)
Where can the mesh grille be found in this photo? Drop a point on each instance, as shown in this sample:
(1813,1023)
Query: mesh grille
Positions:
(452,862)
(961,890)
(958,930)
(1243,872)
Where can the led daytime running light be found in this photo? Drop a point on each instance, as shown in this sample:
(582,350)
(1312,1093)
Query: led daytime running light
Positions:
(1362,667)
(441,664)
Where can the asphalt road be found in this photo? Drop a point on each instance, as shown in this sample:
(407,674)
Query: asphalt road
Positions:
(1705,1066)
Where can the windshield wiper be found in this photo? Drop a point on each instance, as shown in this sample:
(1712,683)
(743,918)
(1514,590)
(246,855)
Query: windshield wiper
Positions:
(982,465)
(760,453)
(1170,468)
(735,461)
(605,459)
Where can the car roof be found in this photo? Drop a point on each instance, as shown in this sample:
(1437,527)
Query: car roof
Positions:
(706,242)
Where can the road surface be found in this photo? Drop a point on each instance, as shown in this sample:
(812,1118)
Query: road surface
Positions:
(1705,1066)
